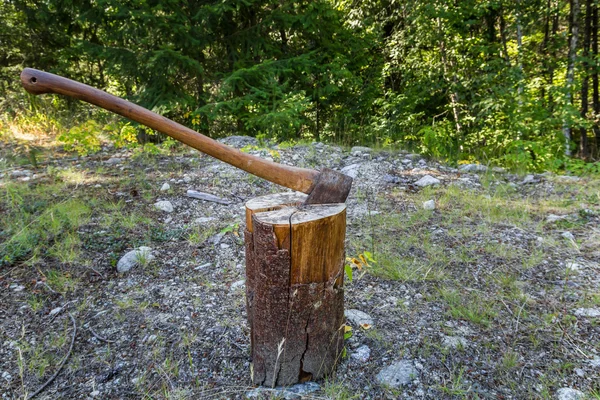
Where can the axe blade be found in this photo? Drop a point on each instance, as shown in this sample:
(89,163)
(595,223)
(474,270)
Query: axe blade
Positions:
(330,187)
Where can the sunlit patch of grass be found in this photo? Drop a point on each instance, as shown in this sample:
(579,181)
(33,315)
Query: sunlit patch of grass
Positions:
(471,307)
(68,249)
(61,282)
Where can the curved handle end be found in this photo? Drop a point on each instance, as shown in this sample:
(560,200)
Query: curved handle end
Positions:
(32,81)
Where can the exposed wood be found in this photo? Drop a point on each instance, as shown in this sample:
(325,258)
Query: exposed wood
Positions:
(294,293)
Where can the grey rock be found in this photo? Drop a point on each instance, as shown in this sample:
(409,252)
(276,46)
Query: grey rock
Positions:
(473,168)
(20,173)
(55,311)
(362,354)
(237,284)
(361,149)
(388,178)
(429,205)
(567,235)
(567,178)
(398,374)
(7,376)
(113,161)
(553,218)
(453,342)
(288,393)
(206,197)
(358,317)
(133,257)
(203,220)
(351,170)
(164,205)
(239,141)
(595,362)
(588,312)
(528,179)
(187,179)
(569,394)
(579,372)
(427,180)
(165,187)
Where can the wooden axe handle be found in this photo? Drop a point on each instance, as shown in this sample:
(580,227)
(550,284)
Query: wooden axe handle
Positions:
(300,179)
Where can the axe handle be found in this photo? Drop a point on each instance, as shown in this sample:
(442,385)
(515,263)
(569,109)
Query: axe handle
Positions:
(300,179)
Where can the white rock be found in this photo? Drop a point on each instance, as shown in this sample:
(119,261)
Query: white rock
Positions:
(351,170)
(429,205)
(165,187)
(528,179)
(473,168)
(588,312)
(113,161)
(362,354)
(569,394)
(427,180)
(296,391)
(358,317)
(554,218)
(55,311)
(568,178)
(398,374)
(573,266)
(187,179)
(568,235)
(454,342)
(95,393)
(237,284)
(164,205)
(133,257)
(595,362)
(7,376)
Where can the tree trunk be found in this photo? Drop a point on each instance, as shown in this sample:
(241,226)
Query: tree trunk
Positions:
(583,142)
(574,33)
(294,292)
(595,92)
(454,103)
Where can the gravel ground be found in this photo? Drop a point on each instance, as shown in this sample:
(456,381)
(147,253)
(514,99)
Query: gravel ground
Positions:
(486,284)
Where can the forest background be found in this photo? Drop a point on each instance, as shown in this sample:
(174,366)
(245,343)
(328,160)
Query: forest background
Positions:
(501,82)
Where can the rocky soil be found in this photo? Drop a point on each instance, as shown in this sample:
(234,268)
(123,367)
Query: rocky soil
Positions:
(465,299)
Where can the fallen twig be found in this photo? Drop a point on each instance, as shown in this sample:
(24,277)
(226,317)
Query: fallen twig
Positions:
(62,363)
(207,197)
(100,338)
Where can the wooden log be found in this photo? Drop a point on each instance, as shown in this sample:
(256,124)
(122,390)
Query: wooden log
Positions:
(294,292)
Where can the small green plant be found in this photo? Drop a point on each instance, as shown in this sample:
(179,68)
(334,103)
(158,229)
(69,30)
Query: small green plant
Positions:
(83,138)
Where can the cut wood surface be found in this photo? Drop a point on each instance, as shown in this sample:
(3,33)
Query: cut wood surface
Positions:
(294,276)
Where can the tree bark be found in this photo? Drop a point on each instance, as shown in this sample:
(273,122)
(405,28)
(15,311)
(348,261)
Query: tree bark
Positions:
(454,101)
(595,92)
(583,142)
(294,288)
(574,34)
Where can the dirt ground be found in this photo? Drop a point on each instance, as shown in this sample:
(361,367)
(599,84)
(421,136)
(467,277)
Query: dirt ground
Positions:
(493,294)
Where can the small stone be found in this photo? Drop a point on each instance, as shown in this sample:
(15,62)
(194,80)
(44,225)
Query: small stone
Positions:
(351,170)
(573,266)
(164,205)
(55,311)
(588,312)
(165,187)
(595,362)
(203,220)
(569,394)
(199,267)
(95,393)
(398,374)
(528,179)
(568,235)
(453,342)
(358,317)
(473,168)
(361,149)
(289,393)
(553,218)
(427,180)
(17,288)
(237,284)
(133,258)
(113,161)
(151,339)
(579,372)
(224,246)
(429,205)
(568,178)
(187,179)
(7,376)
(388,178)
(362,354)
(239,141)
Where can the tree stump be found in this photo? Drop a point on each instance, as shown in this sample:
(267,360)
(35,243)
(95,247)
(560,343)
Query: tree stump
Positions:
(294,287)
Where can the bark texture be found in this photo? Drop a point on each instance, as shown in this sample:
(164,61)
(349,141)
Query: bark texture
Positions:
(296,326)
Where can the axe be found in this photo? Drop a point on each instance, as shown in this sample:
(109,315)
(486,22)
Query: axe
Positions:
(322,187)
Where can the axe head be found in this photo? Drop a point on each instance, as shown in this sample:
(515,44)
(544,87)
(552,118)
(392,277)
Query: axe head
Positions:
(330,187)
